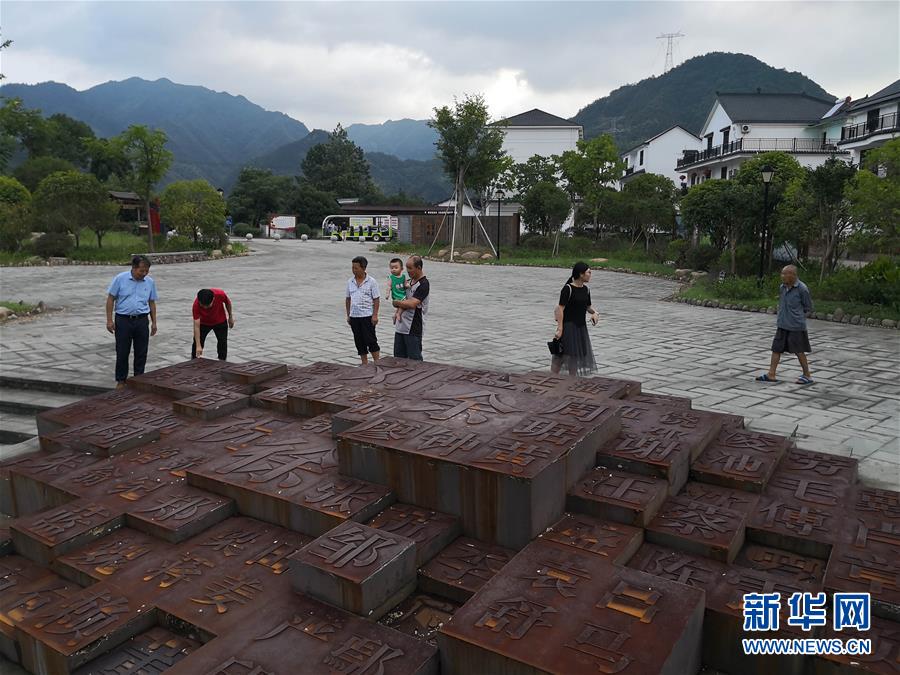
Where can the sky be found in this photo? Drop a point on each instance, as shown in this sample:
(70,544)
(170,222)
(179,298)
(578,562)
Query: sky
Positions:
(351,62)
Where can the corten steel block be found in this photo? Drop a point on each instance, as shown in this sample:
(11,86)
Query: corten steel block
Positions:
(100,437)
(177,512)
(358,568)
(785,523)
(543,383)
(618,496)
(679,402)
(211,405)
(5,541)
(150,652)
(166,461)
(185,379)
(808,489)
(723,497)
(319,397)
(884,504)
(420,616)
(153,411)
(44,536)
(253,372)
(300,374)
(793,568)
(69,634)
(693,430)
(698,527)
(884,659)
(821,466)
(370,405)
(26,592)
(852,569)
(687,569)
(399,377)
(275,398)
(236,431)
(551,611)
(650,455)
(301,636)
(335,499)
(109,556)
(744,460)
(38,482)
(92,408)
(864,531)
(462,568)
(612,541)
(431,530)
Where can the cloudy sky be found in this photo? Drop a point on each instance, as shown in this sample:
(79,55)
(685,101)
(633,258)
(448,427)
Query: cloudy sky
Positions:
(324,63)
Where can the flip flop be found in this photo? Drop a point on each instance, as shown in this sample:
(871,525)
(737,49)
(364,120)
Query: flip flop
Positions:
(804,380)
(765,378)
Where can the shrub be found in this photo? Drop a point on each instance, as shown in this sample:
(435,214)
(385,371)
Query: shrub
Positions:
(180,243)
(744,288)
(702,257)
(302,229)
(243,229)
(53,244)
(676,251)
(746,260)
(878,283)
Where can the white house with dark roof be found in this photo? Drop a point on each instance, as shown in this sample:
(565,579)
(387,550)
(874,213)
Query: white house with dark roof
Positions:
(869,122)
(740,126)
(659,154)
(538,133)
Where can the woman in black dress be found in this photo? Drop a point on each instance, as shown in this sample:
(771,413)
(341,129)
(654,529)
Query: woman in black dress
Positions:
(571,328)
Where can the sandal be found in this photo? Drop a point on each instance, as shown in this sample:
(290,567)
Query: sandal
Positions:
(804,380)
(765,378)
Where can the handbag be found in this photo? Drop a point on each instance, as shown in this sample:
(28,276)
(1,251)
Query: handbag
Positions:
(555,347)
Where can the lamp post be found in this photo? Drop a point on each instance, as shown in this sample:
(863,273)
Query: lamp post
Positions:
(500,194)
(767,173)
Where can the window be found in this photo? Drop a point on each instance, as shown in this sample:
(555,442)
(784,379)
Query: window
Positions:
(641,158)
(872,120)
(726,132)
(709,139)
(724,173)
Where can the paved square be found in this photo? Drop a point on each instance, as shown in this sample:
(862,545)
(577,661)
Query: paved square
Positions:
(289,307)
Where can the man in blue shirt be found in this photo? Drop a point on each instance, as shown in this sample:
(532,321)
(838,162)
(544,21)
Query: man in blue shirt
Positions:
(132,295)
(794,304)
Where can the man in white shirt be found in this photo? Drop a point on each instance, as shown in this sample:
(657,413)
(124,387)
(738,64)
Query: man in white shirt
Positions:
(362,305)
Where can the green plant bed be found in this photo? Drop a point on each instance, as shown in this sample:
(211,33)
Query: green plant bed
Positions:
(7,258)
(17,307)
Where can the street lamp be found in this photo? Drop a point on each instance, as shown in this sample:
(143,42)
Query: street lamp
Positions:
(500,194)
(767,173)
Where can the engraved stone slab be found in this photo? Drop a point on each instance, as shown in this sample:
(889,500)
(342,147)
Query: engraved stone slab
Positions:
(358,568)
(788,524)
(743,460)
(148,653)
(420,616)
(253,372)
(462,568)
(44,536)
(431,530)
(864,570)
(697,527)
(100,437)
(821,466)
(335,499)
(211,405)
(109,556)
(81,627)
(619,496)
(177,512)
(549,611)
(575,532)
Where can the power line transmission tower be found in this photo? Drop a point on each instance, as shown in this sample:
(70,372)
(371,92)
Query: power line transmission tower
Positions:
(670,42)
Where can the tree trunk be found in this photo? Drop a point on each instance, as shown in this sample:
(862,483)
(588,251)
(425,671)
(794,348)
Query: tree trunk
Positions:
(76,233)
(457,212)
(99,239)
(596,224)
(732,244)
(149,224)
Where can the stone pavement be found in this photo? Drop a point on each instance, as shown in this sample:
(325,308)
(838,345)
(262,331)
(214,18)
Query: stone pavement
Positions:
(289,298)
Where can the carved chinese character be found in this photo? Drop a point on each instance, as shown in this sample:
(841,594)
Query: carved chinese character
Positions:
(386,430)
(314,626)
(231,543)
(273,556)
(445,443)
(884,502)
(52,526)
(339,495)
(680,418)
(882,532)
(177,507)
(602,644)
(108,558)
(136,487)
(171,572)
(229,590)
(560,576)
(357,545)
(690,518)
(360,656)
(515,617)
(84,617)
(810,491)
(235,666)
(681,568)
(801,520)
(512,454)
(649,446)
(637,602)
(467,407)
(96,475)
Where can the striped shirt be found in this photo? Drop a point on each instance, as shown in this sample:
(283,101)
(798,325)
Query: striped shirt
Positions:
(362,296)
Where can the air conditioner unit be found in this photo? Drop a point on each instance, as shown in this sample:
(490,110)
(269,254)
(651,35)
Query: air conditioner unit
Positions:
(745,128)
(732,173)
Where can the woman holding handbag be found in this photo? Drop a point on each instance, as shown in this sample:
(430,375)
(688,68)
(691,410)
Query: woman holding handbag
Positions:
(573,348)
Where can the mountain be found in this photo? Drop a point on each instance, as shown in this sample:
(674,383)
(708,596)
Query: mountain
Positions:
(209,132)
(406,139)
(684,95)
(285,160)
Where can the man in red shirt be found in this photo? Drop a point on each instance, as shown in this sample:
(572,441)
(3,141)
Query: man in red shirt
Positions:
(210,309)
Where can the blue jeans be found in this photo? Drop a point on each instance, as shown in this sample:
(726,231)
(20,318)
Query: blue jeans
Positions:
(136,330)
(408,346)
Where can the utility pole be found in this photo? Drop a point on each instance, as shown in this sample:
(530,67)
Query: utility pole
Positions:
(670,42)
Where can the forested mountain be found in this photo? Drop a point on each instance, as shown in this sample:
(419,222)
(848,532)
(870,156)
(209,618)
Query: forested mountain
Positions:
(406,139)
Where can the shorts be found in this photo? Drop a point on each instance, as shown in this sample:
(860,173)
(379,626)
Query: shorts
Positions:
(364,335)
(791,341)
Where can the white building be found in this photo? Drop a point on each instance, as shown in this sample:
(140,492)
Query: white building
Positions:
(869,122)
(740,126)
(659,154)
(538,133)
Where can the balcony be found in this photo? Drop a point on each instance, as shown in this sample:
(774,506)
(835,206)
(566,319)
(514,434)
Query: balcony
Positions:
(756,145)
(883,125)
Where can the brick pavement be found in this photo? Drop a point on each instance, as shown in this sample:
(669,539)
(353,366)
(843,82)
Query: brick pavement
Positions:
(289,308)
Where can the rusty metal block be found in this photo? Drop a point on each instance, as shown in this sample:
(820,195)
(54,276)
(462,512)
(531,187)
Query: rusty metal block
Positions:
(788,524)
(335,499)
(795,569)
(821,466)
(107,557)
(618,496)
(177,512)
(808,489)
(186,379)
(557,612)
(546,384)
(884,504)
(462,568)
(723,497)
(320,396)
(358,568)
(68,635)
(368,405)
(431,530)
(100,438)
(253,372)
(884,659)
(678,402)
(698,527)
(211,405)
(44,536)
(692,430)
(38,482)
(420,616)
(575,532)
(740,459)
(399,377)
(94,407)
(147,653)
(866,570)
(652,455)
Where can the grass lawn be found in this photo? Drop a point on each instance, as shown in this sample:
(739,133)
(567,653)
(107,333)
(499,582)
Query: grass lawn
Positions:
(17,307)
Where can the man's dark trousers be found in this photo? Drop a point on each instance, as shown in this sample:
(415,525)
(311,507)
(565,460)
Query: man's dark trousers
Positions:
(408,346)
(131,329)
(221,331)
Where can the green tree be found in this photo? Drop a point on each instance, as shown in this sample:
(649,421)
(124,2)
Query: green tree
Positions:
(147,161)
(338,166)
(19,125)
(650,205)
(257,193)
(15,205)
(545,208)
(69,139)
(814,207)
(470,149)
(311,205)
(718,209)
(35,169)
(195,207)
(537,169)
(107,161)
(70,201)
(589,170)
(875,199)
